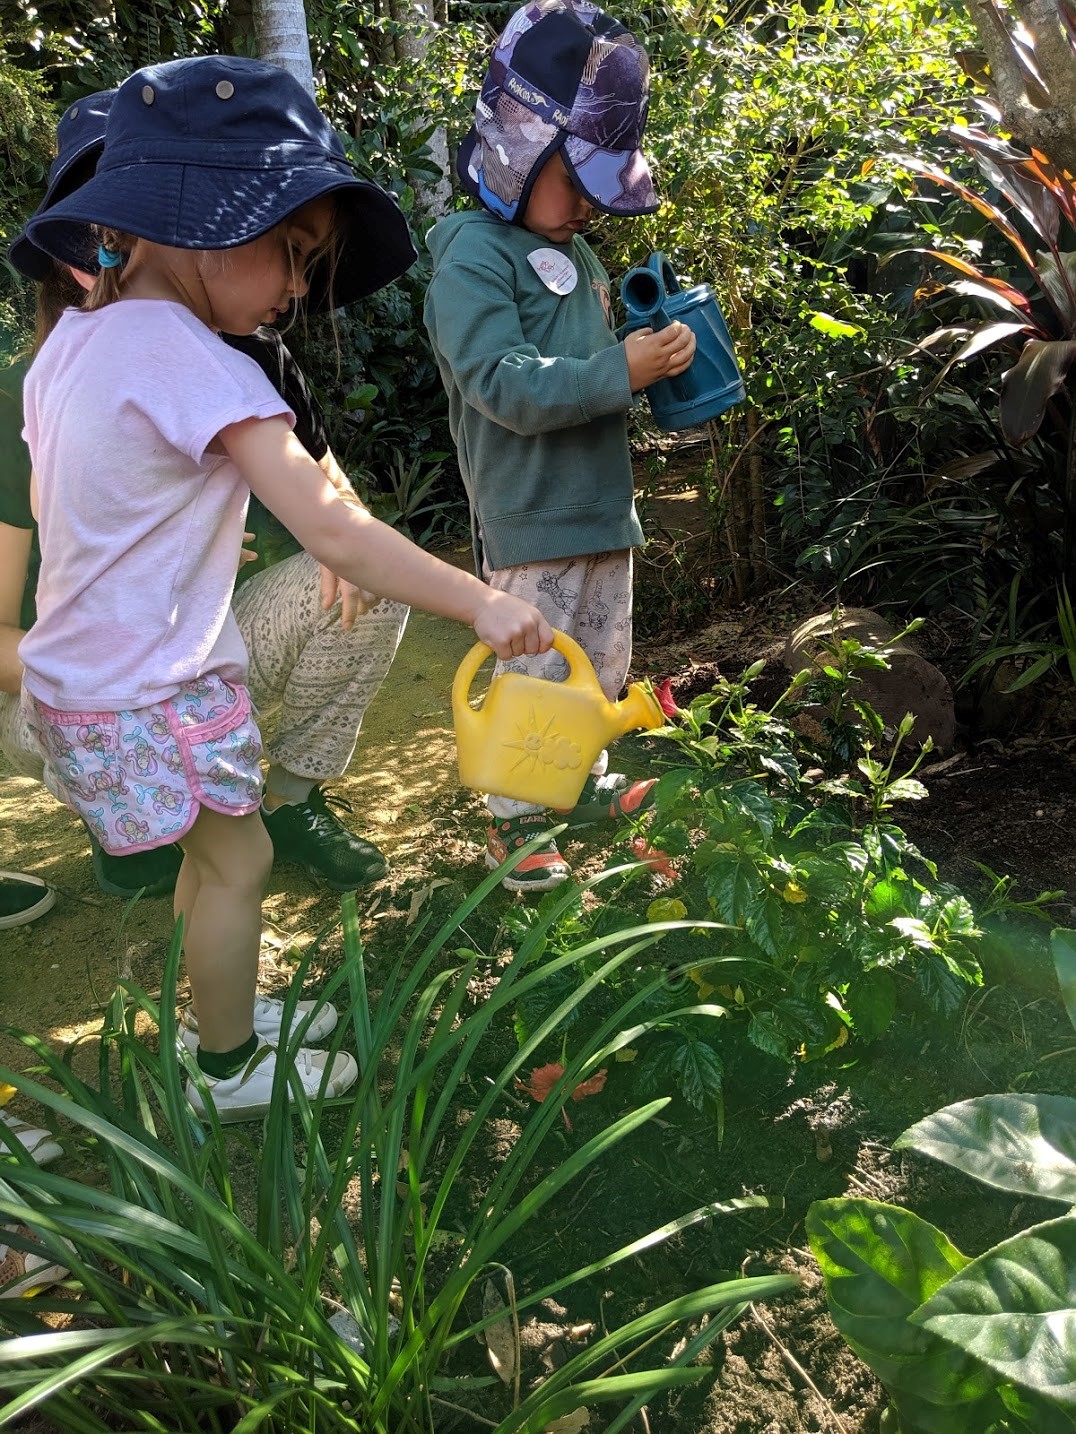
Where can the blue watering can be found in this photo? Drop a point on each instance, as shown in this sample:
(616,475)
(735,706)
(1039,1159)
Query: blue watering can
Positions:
(653,299)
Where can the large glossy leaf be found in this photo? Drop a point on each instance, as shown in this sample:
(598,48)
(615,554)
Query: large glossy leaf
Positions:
(988,292)
(1027,388)
(871,1001)
(988,210)
(1063,946)
(1003,165)
(1059,182)
(1057,275)
(956,467)
(880,1264)
(1014,297)
(1014,1309)
(1022,1143)
(984,337)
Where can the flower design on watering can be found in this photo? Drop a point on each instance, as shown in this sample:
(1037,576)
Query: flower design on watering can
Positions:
(541,746)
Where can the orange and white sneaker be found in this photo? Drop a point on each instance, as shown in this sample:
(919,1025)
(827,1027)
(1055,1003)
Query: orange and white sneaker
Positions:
(542,870)
(609,799)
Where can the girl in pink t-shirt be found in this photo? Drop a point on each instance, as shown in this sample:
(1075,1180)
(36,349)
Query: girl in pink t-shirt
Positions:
(221,197)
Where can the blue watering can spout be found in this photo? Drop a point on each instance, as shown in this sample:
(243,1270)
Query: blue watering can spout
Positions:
(653,298)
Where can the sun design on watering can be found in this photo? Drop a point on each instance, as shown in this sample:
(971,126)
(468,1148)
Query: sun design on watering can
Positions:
(543,747)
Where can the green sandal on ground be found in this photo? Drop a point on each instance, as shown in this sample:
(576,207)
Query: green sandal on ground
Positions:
(608,799)
(542,870)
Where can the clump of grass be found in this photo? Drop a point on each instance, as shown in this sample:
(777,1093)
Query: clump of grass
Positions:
(180,1314)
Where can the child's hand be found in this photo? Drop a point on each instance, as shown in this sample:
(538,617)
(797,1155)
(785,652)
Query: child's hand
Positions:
(247,555)
(658,355)
(354,602)
(511,626)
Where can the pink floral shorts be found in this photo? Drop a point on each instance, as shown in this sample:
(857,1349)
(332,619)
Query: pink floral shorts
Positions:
(138,779)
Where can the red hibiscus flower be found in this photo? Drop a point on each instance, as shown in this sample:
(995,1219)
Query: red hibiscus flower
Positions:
(666,700)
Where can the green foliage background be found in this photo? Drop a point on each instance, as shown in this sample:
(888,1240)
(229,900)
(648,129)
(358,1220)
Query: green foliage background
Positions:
(775,132)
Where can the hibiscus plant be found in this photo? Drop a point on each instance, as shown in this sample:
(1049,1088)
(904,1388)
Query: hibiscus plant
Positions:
(797,914)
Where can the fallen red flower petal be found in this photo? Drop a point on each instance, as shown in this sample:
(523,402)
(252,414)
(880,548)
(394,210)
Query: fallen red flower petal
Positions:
(590,1087)
(544,1078)
(542,1081)
(658,860)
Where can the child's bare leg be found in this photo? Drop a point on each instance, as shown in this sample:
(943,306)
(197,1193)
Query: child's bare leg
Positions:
(226,864)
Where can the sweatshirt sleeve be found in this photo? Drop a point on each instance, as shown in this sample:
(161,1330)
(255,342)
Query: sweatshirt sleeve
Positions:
(473,322)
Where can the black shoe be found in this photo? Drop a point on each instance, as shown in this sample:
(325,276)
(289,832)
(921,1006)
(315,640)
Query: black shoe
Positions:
(313,837)
(23,898)
(153,873)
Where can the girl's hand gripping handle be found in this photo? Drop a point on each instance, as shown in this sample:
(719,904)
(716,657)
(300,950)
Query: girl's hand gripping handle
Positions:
(510,626)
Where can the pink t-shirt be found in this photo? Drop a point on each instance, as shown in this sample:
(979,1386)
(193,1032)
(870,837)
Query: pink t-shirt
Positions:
(140,527)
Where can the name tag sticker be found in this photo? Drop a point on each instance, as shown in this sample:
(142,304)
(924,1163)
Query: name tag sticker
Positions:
(556,271)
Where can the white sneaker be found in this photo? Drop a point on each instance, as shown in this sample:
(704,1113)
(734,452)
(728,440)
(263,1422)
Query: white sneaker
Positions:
(314,1020)
(40,1145)
(23,898)
(24,1272)
(248,1094)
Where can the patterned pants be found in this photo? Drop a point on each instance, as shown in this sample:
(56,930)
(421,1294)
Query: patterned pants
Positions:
(310,680)
(589,598)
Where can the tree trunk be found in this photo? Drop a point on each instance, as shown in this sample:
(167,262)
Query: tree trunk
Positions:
(759,552)
(1038,108)
(282,38)
(433,197)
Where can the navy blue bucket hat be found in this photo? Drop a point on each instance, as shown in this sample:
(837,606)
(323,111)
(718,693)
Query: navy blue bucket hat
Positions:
(80,137)
(213,152)
(563,76)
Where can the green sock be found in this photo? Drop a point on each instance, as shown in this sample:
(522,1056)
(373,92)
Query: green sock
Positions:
(222,1064)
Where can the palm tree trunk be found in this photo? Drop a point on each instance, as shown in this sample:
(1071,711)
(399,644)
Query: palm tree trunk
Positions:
(281,36)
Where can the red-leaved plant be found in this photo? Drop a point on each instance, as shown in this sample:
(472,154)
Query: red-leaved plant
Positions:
(1044,198)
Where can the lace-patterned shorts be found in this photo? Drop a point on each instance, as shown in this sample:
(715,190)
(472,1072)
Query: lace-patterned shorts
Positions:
(138,778)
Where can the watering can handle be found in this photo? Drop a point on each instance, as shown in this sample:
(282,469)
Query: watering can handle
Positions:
(580,671)
(665,272)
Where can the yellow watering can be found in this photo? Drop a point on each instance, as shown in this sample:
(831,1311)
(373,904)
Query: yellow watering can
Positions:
(536,740)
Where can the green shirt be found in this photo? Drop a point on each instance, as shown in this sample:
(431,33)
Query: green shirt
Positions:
(538,390)
(15,475)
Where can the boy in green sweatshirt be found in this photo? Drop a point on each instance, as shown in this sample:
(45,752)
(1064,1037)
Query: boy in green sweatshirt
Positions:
(539,386)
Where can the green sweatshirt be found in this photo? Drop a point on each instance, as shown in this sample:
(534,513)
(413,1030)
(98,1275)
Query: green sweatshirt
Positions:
(537,388)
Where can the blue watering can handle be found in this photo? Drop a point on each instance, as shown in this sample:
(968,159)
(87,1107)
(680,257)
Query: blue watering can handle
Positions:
(665,272)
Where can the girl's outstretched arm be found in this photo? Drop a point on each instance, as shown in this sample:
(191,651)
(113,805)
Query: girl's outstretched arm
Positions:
(360,548)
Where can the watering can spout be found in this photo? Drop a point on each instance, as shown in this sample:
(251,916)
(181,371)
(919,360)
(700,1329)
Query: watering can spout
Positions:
(535,740)
(639,708)
(645,290)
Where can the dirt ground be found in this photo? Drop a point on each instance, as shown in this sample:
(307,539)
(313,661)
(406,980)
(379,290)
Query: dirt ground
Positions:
(780,1369)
